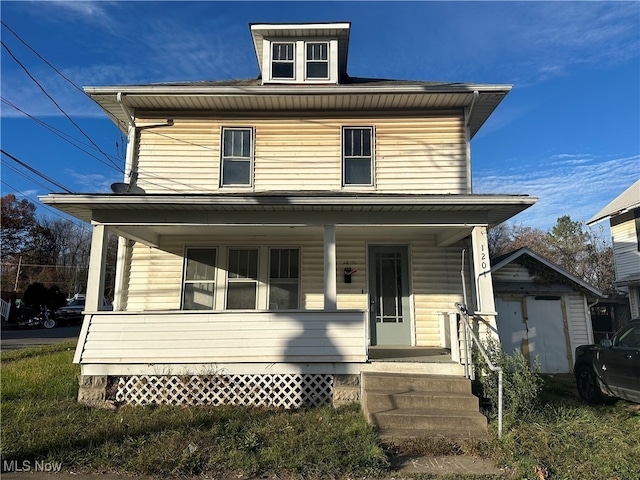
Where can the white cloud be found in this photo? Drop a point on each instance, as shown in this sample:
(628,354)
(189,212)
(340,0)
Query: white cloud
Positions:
(94,182)
(579,190)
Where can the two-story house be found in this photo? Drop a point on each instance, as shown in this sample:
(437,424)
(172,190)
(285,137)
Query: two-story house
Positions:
(623,213)
(278,233)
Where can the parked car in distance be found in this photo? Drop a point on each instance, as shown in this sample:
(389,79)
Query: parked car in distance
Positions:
(610,369)
(71,314)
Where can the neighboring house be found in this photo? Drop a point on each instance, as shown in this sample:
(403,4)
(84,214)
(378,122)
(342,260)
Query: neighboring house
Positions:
(623,213)
(543,310)
(278,230)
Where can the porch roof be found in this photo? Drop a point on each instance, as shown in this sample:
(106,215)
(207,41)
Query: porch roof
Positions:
(292,208)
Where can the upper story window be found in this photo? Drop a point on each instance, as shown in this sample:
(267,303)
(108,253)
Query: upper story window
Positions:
(237,157)
(317,63)
(282,60)
(357,156)
(300,61)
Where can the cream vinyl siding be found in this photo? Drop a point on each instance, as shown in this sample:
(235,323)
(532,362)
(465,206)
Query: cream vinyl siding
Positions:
(625,249)
(195,337)
(155,279)
(156,275)
(437,286)
(421,155)
(579,321)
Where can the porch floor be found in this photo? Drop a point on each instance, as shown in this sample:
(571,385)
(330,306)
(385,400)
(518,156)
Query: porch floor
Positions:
(409,354)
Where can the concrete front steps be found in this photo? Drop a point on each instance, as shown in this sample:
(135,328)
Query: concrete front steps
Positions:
(422,405)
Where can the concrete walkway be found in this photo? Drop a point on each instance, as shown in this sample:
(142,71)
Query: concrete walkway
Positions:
(448,465)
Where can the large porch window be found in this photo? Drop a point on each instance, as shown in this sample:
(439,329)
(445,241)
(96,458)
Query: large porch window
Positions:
(284,278)
(241,278)
(199,279)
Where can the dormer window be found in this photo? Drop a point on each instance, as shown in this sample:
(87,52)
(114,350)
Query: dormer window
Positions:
(301,61)
(301,53)
(283,64)
(317,60)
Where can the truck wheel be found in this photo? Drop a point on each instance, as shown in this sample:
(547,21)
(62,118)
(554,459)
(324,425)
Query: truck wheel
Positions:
(588,386)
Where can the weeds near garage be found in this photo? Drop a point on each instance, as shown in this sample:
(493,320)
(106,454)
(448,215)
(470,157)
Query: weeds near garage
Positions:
(571,439)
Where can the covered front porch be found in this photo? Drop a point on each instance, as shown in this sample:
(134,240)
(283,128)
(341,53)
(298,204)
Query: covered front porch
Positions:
(372,270)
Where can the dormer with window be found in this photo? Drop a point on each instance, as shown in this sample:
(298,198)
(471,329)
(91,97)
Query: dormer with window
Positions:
(301,54)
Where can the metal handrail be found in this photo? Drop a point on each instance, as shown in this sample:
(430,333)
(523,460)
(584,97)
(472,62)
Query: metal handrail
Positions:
(464,313)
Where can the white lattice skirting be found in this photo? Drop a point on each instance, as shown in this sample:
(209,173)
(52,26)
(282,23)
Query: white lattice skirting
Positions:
(284,391)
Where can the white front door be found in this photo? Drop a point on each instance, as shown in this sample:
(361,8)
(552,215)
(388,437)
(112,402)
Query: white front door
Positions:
(389,305)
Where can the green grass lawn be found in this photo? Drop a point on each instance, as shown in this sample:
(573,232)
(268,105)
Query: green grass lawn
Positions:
(41,420)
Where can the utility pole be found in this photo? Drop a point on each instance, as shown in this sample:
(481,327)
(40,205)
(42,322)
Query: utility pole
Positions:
(15,286)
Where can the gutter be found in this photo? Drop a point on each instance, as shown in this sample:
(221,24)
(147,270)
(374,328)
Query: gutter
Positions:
(476,96)
(127,111)
(287,89)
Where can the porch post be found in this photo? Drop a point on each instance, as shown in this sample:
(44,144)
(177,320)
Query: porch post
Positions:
(122,263)
(330,288)
(97,261)
(482,277)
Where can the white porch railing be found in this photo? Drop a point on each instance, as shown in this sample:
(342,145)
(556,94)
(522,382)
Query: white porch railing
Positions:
(192,337)
(5,308)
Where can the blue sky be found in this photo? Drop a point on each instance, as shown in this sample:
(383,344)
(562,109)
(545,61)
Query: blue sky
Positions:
(568,133)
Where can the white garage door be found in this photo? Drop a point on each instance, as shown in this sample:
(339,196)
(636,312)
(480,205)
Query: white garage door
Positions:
(547,339)
(511,328)
(544,330)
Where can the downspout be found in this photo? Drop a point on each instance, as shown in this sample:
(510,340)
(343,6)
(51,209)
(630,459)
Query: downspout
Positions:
(125,245)
(467,120)
(131,138)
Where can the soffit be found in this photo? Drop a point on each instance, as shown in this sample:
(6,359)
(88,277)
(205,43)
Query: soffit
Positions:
(626,201)
(166,101)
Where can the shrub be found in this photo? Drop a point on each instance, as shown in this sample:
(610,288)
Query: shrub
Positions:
(521,383)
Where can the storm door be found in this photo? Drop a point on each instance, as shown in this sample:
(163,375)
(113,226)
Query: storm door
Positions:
(389,306)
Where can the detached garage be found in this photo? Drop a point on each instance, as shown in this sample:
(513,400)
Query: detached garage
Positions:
(543,310)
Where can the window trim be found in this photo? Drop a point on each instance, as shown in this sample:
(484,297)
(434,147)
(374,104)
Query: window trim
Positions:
(300,60)
(292,62)
(256,281)
(344,159)
(307,61)
(288,281)
(184,275)
(221,274)
(224,158)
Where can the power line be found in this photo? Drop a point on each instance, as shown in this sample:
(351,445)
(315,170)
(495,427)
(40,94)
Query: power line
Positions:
(111,163)
(63,136)
(58,133)
(41,57)
(55,212)
(59,107)
(40,174)
(14,169)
